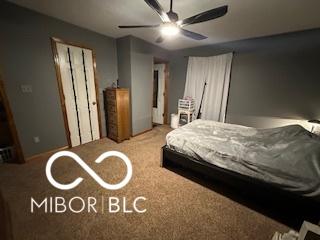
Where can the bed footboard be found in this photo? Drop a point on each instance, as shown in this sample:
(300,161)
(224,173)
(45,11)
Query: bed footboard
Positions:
(269,193)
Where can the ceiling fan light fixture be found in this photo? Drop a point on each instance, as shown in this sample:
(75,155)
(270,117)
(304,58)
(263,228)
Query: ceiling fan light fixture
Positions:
(171,25)
(169,29)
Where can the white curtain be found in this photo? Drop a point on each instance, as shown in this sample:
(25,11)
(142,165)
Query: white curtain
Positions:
(215,71)
(196,77)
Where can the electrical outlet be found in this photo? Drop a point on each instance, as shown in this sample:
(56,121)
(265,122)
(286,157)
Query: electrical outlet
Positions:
(26,88)
(36,139)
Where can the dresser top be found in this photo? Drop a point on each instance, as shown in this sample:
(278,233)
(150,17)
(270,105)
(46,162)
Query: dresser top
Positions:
(117,89)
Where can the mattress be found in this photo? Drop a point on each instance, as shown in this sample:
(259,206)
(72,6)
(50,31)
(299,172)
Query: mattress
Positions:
(288,157)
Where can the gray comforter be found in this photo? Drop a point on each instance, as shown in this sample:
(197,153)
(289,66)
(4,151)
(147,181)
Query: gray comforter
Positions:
(286,156)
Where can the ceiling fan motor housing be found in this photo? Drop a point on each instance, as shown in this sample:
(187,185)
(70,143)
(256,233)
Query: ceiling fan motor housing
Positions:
(173,16)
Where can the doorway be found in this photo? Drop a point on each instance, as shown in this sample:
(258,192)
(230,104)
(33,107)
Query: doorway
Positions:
(75,67)
(10,148)
(160,84)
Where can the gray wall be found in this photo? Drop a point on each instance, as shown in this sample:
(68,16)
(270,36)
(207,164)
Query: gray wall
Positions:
(141,90)
(26,58)
(135,57)
(140,46)
(272,77)
(124,61)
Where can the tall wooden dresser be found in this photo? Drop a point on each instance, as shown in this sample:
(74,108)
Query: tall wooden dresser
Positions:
(117,113)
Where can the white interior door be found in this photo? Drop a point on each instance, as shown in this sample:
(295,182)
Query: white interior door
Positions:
(159,80)
(77,76)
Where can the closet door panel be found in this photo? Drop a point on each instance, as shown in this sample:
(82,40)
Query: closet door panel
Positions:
(92,94)
(67,89)
(78,87)
(82,100)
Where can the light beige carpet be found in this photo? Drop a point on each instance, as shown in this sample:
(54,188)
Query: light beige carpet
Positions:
(177,208)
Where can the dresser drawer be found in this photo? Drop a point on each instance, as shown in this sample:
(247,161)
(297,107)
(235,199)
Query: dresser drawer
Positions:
(111,102)
(111,108)
(112,118)
(111,96)
(112,130)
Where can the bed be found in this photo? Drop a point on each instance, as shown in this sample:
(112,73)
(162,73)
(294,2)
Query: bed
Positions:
(278,162)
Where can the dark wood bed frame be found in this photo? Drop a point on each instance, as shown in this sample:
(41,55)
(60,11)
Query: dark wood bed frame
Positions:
(269,193)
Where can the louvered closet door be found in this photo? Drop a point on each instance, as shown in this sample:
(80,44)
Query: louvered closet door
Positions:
(77,76)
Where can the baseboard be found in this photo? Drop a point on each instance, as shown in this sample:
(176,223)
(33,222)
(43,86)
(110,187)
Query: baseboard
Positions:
(137,134)
(44,153)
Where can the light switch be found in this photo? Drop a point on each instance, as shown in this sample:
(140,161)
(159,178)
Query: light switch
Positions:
(36,139)
(25,88)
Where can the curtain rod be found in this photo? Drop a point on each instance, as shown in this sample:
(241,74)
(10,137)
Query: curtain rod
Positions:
(210,55)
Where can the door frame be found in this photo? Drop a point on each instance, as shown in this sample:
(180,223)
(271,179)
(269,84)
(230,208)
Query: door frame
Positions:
(166,85)
(12,126)
(54,42)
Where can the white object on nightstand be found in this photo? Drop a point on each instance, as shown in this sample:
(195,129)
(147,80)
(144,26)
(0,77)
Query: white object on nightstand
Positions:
(309,231)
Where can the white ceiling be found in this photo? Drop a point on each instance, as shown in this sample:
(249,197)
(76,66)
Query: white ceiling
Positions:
(245,19)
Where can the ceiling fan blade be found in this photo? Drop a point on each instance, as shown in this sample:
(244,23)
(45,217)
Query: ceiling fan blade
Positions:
(157,7)
(160,39)
(140,26)
(205,16)
(193,35)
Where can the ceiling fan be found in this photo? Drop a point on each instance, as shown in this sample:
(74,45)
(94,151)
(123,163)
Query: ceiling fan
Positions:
(171,25)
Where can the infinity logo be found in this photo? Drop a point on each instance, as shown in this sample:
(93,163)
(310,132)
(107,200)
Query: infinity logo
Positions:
(101,158)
